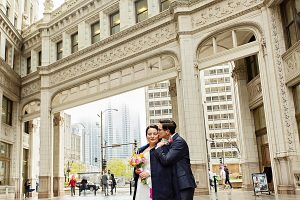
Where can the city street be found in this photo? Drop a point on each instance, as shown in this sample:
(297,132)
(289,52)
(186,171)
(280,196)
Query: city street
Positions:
(236,194)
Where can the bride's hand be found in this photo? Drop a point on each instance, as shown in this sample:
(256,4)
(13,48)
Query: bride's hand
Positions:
(138,170)
(144,175)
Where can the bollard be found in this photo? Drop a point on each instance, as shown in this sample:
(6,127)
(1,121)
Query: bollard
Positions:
(215,183)
(130,187)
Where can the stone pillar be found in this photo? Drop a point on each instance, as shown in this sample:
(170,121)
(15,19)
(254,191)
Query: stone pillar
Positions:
(190,108)
(127,14)
(281,133)
(34,60)
(46,139)
(66,40)
(34,153)
(45,47)
(104,25)
(84,35)
(3,44)
(3,4)
(173,94)
(153,8)
(58,155)
(245,125)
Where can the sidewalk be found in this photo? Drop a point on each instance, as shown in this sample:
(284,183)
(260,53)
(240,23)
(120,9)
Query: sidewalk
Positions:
(235,194)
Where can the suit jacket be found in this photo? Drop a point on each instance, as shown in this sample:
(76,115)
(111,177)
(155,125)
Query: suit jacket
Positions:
(179,156)
(163,187)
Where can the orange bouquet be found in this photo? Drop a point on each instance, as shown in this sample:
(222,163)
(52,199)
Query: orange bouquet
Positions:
(137,161)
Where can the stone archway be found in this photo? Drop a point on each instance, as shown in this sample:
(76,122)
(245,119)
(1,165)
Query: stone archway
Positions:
(233,45)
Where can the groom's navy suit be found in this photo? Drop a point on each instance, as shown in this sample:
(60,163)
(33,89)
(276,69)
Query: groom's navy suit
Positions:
(163,187)
(178,156)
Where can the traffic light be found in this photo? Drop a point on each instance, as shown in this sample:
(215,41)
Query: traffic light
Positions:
(104,164)
(96,159)
(221,160)
(135,144)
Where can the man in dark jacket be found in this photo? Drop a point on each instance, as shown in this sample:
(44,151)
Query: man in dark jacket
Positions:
(177,155)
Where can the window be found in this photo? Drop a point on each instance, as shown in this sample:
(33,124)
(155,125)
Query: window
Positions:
(40,58)
(252,67)
(95,30)
(141,10)
(291,21)
(59,50)
(4,163)
(115,23)
(150,95)
(7,111)
(74,42)
(7,11)
(164,5)
(28,71)
(26,127)
(15,21)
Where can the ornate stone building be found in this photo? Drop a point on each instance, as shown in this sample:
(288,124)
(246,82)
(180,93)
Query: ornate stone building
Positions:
(87,50)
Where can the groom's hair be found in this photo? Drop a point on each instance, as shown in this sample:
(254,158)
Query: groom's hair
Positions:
(168,124)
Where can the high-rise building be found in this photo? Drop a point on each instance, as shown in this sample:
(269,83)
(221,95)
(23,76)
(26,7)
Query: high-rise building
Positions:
(218,104)
(158,102)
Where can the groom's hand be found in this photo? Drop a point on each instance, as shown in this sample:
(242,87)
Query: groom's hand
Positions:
(160,144)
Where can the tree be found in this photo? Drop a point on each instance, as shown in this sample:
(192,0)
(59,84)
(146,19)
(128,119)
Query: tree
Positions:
(77,167)
(117,167)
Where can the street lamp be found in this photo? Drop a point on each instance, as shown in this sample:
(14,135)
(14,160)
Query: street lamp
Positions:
(101,134)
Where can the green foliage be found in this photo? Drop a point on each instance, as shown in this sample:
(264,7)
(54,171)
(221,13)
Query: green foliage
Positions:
(76,167)
(117,167)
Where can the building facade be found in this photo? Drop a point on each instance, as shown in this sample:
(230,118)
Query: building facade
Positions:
(95,49)
(220,121)
(158,102)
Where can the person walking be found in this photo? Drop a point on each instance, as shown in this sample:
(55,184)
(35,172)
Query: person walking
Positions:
(113,184)
(72,183)
(105,182)
(227,179)
(83,185)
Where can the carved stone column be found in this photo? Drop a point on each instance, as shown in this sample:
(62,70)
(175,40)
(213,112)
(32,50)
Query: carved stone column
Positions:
(58,155)
(46,143)
(173,94)
(127,14)
(104,25)
(153,8)
(190,111)
(3,43)
(245,125)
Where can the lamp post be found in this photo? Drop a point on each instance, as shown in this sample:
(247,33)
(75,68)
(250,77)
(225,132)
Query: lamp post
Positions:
(68,171)
(101,134)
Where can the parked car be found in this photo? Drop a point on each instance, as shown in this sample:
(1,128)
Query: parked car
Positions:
(90,186)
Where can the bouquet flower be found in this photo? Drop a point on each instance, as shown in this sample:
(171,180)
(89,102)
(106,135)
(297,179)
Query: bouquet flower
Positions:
(138,161)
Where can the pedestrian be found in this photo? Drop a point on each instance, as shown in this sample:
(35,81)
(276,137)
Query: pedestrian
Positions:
(83,185)
(113,184)
(227,181)
(105,182)
(27,186)
(211,178)
(222,176)
(72,183)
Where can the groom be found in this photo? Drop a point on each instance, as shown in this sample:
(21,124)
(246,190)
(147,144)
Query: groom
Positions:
(178,156)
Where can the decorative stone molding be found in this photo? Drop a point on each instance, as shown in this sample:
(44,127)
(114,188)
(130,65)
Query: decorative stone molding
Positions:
(291,60)
(48,6)
(212,13)
(239,73)
(137,72)
(106,57)
(10,30)
(255,92)
(9,79)
(31,88)
(275,20)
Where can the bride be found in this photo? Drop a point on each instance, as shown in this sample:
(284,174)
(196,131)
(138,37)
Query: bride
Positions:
(154,181)
(144,184)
